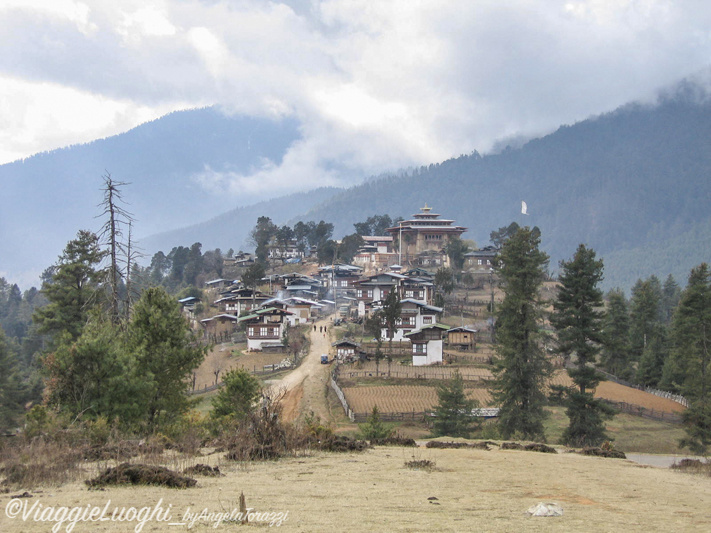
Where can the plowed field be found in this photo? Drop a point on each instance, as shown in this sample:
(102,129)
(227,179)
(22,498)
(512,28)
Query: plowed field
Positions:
(401,398)
(409,398)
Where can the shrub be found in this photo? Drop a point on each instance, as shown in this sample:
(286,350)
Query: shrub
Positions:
(374,428)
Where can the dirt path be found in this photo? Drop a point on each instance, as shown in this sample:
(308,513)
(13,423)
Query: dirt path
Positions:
(305,387)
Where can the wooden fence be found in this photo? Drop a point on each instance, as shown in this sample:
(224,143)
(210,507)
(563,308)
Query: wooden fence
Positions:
(393,417)
(678,398)
(654,414)
(266,371)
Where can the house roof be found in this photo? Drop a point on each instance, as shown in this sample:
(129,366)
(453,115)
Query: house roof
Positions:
(463,328)
(229,317)
(346,342)
(188,300)
(440,327)
(423,305)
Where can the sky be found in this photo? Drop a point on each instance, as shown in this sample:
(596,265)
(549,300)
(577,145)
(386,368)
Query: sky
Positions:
(375,85)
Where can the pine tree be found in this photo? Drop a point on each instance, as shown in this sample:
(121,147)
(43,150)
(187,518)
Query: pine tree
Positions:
(692,352)
(72,289)
(616,336)
(166,352)
(577,319)
(238,395)
(95,375)
(11,388)
(374,428)
(645,306)
(522,368)
(453,413)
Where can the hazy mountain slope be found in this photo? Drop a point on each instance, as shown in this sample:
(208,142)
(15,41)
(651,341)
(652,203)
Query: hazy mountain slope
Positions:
(623,180)
(47,198)
(232,229)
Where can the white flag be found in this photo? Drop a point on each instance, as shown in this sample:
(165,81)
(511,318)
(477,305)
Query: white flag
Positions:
(524,208)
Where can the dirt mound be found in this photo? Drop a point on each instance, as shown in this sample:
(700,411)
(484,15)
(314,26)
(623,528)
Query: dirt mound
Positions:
(394,441)
(601,452)
(203,470)
(535,447)
(128,474)
(439,444)
(340,443)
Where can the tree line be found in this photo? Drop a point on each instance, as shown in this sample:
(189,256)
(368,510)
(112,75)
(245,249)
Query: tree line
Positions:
(662,339)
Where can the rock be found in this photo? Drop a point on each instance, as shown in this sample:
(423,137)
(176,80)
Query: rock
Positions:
(545,509)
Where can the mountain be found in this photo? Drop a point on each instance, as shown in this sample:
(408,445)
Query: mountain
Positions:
(48,197)
(634,184)
(232,229)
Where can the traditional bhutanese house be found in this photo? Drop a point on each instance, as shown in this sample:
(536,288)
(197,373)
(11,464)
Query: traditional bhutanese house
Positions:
(462,338)
(374,289)
(425,232)
(302,309)
(301,286)
(417,289)
(241,301)
(218,284)
(346,349)
(219,325)
(341,277)
(414,315)
(376,253)
(265,328)
(427,344)
(188,305)
(480,259)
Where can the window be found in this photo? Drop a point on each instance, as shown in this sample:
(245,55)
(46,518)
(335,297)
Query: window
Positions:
(250,332)
(263,332)
(370,293)
(409,294)
(419,348)
(427,320)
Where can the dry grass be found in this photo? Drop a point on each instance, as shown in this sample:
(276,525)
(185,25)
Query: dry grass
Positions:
(469,490)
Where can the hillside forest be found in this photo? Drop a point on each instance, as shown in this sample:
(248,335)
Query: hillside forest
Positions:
(104,340)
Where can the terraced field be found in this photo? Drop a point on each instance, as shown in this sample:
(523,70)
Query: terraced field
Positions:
(402,398)
(415,398)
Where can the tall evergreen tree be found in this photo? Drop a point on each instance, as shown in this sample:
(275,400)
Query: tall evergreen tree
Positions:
(95,375)
(671,294)
(453,413)
(11,388)
(645,306)
(72,289)
(692,353)
(654,356)
(166,352)
(616,336)
(577,319)
(522,368)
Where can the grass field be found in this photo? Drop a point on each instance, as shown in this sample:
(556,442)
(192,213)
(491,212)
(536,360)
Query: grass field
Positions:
(466,490)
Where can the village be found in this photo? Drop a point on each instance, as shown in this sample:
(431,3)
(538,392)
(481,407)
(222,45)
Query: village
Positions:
(265,328)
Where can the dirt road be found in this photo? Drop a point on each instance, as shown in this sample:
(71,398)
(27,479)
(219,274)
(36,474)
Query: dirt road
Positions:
(305,387)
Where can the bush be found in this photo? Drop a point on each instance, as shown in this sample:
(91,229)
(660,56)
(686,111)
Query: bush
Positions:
(375,429)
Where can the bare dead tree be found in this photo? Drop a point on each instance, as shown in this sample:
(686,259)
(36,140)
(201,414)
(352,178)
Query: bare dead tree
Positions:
(112,233)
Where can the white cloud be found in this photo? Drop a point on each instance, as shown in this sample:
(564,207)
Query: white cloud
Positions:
(47,114)
(376,85)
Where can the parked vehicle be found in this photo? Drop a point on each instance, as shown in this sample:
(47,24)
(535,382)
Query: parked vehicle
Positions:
(324,359)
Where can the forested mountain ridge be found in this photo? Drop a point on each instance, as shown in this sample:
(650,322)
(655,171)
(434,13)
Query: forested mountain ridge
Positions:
(633,179)
(633,184)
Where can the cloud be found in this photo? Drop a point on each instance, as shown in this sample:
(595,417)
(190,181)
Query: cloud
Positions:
(376,85)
